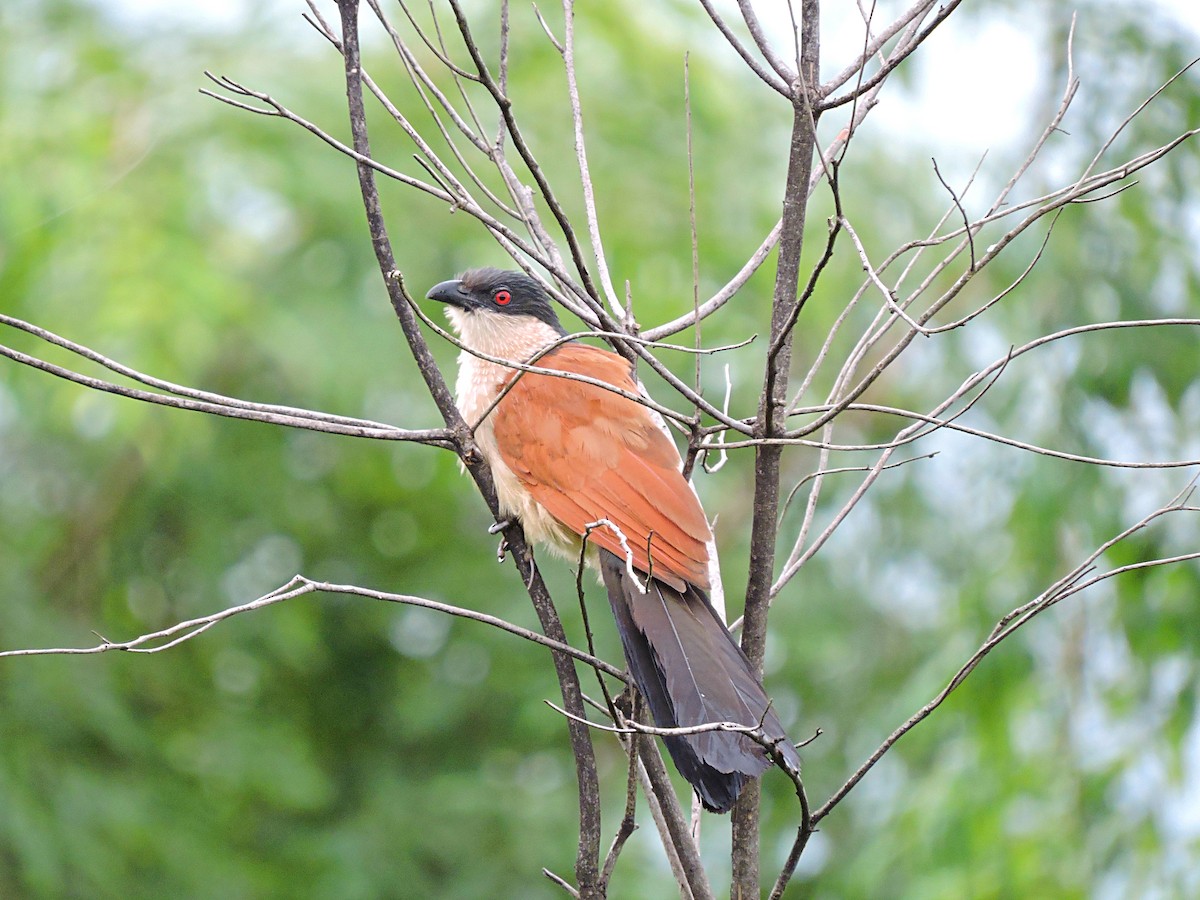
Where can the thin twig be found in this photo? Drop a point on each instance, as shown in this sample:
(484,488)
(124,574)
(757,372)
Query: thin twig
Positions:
(561,882)
(911,16)
(585,175)
(526,154)
(308,420)
(172,636)
(786,73)
(893,61)
(822,473)
(216,404)
(1065,587)
(962,212)
(770,78)
(628,822)
(889,298)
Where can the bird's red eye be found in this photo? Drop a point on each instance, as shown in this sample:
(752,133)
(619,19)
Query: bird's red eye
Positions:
(503,298)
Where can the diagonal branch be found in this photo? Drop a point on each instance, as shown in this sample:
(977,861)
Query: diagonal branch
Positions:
(913,15)
(514,131)
(587,856)
(769,77)
(585,176)
(299,586)
(754,26)
(893,60)
(204,401)
(310,421)
(836,147)
(1069,585)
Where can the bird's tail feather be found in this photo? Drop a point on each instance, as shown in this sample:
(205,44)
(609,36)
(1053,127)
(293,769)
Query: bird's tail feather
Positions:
(691,672)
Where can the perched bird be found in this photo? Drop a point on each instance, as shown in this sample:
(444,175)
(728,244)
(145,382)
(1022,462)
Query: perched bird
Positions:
(570,458)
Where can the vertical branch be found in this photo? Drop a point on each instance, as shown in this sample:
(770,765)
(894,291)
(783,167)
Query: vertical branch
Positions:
(691,163)
(587,867)
(526,154)
(585,175)
(682,844)
(772,413)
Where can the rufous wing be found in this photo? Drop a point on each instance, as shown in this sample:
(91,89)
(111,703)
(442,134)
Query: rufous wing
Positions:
(587,454)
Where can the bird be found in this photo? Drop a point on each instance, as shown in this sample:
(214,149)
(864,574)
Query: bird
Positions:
(573,461)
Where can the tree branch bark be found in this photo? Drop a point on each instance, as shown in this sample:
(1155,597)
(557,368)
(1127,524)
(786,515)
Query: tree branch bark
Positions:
(587,865)
(772,415)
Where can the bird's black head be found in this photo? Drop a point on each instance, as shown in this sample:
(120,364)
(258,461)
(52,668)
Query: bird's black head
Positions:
(498,292)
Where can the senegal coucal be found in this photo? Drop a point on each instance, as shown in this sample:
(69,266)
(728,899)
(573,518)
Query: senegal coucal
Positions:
(566,455)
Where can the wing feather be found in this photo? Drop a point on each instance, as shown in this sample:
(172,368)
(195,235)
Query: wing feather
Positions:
(586,454)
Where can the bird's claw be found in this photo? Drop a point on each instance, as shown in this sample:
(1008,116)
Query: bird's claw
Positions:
(624,702)
(496,528)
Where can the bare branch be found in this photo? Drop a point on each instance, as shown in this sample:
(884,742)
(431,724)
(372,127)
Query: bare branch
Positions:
(1070,584)
(782,69)
(278,110)
(631,727)
(803,832)
(588,850)
(893,60)
(912,16)
(438,49)
(683,845)
(694,235)
(585,176)
(531,163)
(561,882)
(420,78)
(980,310)
(1133,115)
(770,78)
(962,212)
(203,401)
(772,413)
(889,298)
(629,820)
(299,586)
(310,420)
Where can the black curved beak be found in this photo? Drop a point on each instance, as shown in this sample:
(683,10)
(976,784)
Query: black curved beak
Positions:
(451,292)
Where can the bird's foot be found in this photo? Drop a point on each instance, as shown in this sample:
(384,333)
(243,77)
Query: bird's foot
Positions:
(624,703)
(496,528)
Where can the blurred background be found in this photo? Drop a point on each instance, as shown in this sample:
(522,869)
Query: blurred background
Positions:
(339,747)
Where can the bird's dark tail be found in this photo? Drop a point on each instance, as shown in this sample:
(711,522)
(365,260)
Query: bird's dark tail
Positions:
(691,672)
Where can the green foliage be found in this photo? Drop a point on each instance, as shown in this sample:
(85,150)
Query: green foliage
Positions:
(338,747)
